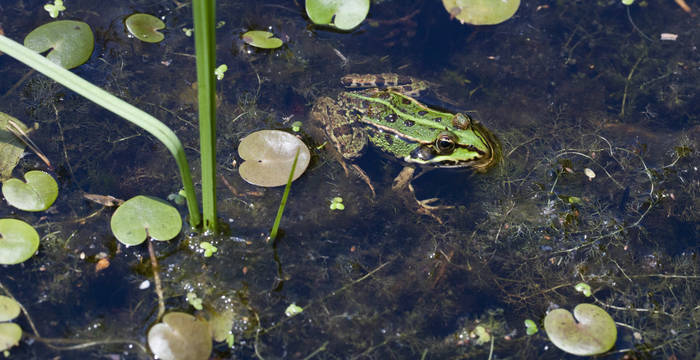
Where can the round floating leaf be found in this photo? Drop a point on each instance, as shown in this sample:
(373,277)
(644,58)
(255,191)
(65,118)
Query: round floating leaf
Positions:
(143,216)
(9,308)
(11,148)
(145,27)
(36,194)
(481,12)
(261,39)
(10,334)
(180,336)
(594,333)
(18,241)
(268,157)
(72,42)
(345,14)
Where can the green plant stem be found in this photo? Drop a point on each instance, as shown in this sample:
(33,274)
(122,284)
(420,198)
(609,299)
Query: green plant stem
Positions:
(113,104)
(283,203)
(205,50)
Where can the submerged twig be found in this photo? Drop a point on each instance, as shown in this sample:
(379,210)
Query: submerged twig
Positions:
(156,279)
(627,83)
(22,135)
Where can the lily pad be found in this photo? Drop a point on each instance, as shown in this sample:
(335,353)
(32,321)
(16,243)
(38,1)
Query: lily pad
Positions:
(18,241)
(36,194)
(343,14)
(10,334)
(268,157)
(261,39)
(72,42)
(143,216)
(11,148)
(9,308)
(481,12)
(593,334)
(180,336)
(145,27)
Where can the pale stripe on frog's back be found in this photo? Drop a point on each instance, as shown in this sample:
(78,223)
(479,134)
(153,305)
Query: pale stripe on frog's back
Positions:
(406,85)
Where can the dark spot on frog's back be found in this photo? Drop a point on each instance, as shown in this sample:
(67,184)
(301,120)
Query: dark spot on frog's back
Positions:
(422,112)
(391,118)
(341,112)
(409,123)
(389,139)
(405,101)
(342,130)
(403,79)
(437,119)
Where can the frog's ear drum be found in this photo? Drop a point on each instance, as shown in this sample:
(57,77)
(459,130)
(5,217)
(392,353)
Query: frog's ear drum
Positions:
(461,121)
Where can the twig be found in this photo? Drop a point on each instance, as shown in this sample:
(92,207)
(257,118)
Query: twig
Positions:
(156,279)
(627,83)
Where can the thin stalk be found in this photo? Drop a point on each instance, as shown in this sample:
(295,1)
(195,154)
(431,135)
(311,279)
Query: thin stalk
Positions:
(283,203)
(205,50)
(113,104)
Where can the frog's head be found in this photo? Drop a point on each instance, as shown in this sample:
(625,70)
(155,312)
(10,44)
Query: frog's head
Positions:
(466,143)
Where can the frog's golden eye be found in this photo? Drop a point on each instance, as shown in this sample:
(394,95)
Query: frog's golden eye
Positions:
(445,142)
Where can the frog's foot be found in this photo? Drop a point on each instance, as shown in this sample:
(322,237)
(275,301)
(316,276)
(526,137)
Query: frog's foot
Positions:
(423,207)
(363,175)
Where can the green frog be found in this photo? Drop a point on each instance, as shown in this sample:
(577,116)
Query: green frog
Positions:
(383,112)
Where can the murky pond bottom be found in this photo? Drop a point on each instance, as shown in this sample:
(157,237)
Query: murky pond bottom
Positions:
(597,184)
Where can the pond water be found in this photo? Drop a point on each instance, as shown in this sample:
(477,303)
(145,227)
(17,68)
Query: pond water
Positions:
(564,85)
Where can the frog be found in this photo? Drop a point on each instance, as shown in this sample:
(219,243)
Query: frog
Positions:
(382,110)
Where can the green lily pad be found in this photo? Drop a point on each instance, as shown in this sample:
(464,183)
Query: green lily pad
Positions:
(143,216)
(11,148)
(9,308)
(145,27)
(268,157)
(180,336)
(18,241)
(593,334)
(36,194)
(343,14)
(261,39)
(10,334)
(481,12)
(72,42)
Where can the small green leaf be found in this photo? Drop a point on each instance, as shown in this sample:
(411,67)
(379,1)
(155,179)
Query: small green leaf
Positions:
(71,42)
(628,2)
(18,241)
(337,203)
(143,216)
(38,193)
(293,309)
(9,308)
(145,27)
(193,300)
(229,340)
(219,71)
(209,249)
(296,126)
(343,14)
(10,334)
(188,31)
(55,8)
(530,327)
(583,288)
(261,39)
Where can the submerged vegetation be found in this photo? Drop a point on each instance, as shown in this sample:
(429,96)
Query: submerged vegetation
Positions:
(598,186)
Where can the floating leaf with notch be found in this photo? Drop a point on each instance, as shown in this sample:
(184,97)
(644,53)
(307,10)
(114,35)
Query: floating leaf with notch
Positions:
(143,216)
(11,148)
(268,157)
(71,42)
(36,194)
(592,333)
(180,336)
(342,14)
(145,27)
(481,12)
(261,39)
(18,241)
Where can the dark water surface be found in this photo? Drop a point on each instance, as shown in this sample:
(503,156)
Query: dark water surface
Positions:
(565,86)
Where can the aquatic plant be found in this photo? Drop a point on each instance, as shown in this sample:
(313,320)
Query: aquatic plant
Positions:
(592,333)
(70,42)
(261,39)
(145,216)
(341,14)
(36,193)
(481,12)
(269,154)
(145,27)
(19,241)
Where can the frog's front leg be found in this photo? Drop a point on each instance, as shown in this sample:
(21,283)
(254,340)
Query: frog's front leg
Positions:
(403,181)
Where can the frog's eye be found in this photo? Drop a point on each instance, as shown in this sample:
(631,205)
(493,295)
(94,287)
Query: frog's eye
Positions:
(445,142)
